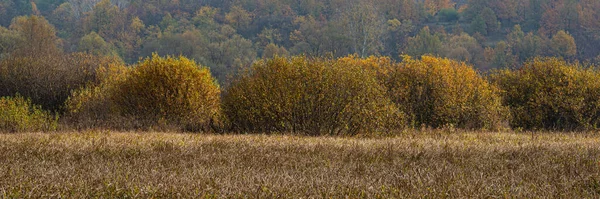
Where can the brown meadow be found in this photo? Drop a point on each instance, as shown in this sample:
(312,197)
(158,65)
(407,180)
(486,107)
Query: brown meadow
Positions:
(435,164)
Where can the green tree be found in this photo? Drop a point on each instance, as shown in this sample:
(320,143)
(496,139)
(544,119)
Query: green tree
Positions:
(563,44)
(516,36)
(64,18)
(238,17)
(463,47)
(448,15)
(205,17)
(12,8)
(8,41)
(503,56)
(474,8)
(398,34)
(365,27)
(308,37)
(94,44)
(478,25)
(590,17)
(37,36)
(424,43)
(106,19)
(130,41)
(272,50)
(168,23)
(491,20)
(531,46)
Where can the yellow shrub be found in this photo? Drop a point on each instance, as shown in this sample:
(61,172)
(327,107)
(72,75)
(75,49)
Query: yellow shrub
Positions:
(548,93)
(18,114)
(157,91)
(438,92)
(92,107)
(308,96)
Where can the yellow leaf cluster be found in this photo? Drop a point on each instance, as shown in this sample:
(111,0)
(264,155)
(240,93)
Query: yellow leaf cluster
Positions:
(549,93)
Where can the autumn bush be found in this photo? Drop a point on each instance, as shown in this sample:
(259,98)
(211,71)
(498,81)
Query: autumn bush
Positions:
(18,114)
(48,80)
(310,96)
(436,92)
(549,93)
(158,91)
(92,106)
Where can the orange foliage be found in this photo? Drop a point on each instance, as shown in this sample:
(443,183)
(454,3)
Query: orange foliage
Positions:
(309,96)
(440,92)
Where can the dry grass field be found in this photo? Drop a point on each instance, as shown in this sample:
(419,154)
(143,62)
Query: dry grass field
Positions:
(415,165)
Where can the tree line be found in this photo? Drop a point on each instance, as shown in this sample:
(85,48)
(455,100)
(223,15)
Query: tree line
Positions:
(229,35)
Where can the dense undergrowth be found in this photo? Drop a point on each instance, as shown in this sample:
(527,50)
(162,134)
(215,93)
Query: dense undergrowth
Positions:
(302,95)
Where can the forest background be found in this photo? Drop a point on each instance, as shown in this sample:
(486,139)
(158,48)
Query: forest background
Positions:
(231,34)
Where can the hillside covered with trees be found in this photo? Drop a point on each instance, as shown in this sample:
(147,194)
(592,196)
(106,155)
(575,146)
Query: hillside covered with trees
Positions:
(227,35)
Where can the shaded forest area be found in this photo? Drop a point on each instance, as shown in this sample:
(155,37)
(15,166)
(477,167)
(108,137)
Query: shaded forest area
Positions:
(231,34)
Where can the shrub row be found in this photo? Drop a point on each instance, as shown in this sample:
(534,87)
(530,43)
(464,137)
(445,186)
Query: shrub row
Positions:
(311,96)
